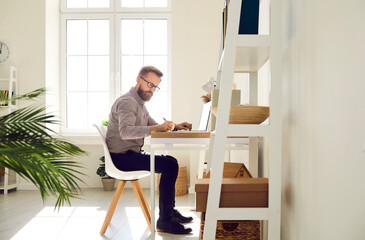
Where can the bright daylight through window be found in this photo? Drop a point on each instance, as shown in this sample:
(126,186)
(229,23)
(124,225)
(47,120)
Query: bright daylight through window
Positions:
(103,47)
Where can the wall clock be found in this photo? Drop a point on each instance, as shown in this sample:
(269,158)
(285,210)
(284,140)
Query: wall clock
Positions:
(4,52)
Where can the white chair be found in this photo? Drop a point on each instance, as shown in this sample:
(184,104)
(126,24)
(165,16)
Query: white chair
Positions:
(132,176)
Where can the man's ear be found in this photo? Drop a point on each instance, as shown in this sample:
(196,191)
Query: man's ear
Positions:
(138,83)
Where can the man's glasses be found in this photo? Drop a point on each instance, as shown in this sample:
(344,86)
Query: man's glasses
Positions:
(151,85)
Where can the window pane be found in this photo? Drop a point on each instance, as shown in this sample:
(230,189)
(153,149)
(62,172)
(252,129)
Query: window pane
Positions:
(98,37)
(76,4)
(130,66)
(159,62)
(98,107)
(155,3)
(76,73)
(76,110)
(157,106)
(132,36)
(132,3)
(76,37)
(99,3)
(155,37)
(98,73)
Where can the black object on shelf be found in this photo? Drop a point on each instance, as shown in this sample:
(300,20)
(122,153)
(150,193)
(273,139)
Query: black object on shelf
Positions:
(249,20)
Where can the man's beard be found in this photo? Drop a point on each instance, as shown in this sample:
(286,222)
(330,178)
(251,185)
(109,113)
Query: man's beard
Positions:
(143,94)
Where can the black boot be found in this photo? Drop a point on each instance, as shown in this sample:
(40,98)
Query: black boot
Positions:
(171,226)
(176,214)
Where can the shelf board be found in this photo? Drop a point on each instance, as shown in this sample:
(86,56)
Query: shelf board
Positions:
(11,185)
(13,107)
(250,130)
(244,40)
(249,59)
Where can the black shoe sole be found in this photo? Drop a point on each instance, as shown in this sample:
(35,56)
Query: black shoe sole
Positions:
(165,231)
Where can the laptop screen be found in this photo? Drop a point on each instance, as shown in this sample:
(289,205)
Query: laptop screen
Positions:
(204,118)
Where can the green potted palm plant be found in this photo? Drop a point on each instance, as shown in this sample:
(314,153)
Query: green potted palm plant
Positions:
(35,152)
(108,182)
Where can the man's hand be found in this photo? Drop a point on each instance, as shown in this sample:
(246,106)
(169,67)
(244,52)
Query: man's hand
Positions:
(164,127)
(183,126)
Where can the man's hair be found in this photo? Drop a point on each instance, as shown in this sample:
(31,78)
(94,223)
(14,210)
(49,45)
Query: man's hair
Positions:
(146,69)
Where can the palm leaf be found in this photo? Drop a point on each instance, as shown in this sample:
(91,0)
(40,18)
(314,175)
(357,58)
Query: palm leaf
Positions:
(4,98)
(28,148)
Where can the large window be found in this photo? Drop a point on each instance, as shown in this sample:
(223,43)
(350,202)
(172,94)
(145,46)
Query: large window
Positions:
(103,46)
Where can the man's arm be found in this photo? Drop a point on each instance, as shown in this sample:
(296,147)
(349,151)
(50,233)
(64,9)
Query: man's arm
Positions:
(164,127)
(151,121)
(127,112)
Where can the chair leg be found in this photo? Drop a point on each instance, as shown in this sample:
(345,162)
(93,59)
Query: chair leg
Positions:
(142,202)
(113,205)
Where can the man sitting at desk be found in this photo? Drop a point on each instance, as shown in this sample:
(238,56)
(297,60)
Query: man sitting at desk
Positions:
(129,124)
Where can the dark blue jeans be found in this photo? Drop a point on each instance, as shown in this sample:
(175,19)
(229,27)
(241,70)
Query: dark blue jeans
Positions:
(164,164)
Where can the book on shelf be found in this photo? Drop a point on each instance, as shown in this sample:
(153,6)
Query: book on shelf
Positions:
(224,24)
(4,94)
(249,18)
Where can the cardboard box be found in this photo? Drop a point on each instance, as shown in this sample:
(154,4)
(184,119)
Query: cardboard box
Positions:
(235,192)
(233,170)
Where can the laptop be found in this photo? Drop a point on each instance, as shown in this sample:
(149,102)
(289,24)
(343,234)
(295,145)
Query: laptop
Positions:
(204,119)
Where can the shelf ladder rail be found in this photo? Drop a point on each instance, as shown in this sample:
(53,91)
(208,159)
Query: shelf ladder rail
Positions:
(273,130)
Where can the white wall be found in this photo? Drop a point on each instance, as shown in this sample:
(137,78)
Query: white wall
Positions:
(196,38)
(324,115)
(22,27)
(52,23)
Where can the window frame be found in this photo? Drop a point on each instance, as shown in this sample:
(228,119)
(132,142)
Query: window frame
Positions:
(118,17)
(63,64)
(142,9)
(115,6)
(114,15)
(111,8)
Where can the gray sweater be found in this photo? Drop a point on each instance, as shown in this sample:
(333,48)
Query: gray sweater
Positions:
(129,124)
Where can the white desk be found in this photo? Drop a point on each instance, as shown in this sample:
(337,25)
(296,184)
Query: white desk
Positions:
(191,141)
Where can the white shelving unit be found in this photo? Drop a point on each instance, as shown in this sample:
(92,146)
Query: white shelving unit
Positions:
(10,180)
(248,53)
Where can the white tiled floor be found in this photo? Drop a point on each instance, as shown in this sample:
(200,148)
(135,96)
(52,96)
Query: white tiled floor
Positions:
(23,216)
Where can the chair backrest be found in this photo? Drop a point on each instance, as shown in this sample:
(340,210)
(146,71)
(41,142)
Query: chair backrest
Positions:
(110,168)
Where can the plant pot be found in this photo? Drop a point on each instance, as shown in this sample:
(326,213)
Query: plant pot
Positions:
(108,184)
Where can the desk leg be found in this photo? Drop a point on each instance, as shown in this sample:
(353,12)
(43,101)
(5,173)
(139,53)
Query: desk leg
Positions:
(152,189)
(201,163)
(196,168)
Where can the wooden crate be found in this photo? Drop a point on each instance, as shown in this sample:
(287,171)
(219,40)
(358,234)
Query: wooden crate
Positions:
(233,170)
(234,230)
(235,192)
